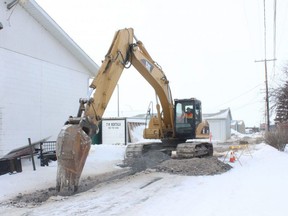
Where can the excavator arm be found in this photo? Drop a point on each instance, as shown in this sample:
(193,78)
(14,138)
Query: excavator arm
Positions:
(151,71)
(124,52)
(74,140)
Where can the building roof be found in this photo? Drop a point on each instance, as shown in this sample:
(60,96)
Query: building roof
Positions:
(222,114)
(56,31)
(238,122)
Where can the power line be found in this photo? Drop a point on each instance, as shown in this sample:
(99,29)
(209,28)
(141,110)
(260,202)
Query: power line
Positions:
(251,102)
(244,93)
(264,4)
(274,34)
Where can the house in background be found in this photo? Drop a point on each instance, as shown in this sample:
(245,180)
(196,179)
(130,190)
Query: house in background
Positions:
(43,75)
(219,124)
(238,125)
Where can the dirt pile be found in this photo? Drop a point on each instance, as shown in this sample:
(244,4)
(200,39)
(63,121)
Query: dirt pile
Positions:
(194,166)
(161,162)
(147,160)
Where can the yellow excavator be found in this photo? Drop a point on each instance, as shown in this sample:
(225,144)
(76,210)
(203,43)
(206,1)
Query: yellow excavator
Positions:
(176,121)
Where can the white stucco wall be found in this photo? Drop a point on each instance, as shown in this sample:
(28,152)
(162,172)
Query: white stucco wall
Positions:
(220,129)
(216,129)
(40,81)
(220,124)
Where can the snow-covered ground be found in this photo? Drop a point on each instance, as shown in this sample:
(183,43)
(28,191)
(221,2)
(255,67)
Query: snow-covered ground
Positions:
(101,159)
(258,187)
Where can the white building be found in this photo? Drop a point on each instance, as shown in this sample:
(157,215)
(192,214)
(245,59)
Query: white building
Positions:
(238,125)
(43,73)
(219,124)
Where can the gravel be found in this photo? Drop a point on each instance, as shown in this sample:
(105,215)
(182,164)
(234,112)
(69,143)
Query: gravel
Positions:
(191,167)
(194,166)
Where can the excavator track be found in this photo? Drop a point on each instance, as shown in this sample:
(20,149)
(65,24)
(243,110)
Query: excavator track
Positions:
(194,149)
(137,150)
(183,150)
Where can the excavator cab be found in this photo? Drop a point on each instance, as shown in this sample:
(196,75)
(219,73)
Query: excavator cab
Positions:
(188,116)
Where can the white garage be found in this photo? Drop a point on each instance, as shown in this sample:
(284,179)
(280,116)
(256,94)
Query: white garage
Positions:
(219,124)
(43,75)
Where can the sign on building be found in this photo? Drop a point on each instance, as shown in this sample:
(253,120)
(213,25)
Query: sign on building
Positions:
(114,131)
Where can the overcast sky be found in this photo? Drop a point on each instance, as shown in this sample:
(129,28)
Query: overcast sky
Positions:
(206,48)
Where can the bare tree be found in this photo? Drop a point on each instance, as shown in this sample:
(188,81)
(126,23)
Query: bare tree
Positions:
(279,138)
(280,96)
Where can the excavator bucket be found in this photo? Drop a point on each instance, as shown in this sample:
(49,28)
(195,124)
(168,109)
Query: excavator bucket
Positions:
(72,148)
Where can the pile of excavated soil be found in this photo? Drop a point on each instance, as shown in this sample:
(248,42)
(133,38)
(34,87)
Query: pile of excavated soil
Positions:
(194,166)
(147,160)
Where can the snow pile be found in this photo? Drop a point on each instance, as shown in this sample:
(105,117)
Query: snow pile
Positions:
(255,138)
(236,133)
(137,135)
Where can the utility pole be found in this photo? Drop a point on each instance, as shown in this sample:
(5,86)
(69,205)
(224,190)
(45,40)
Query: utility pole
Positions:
(118,101)
(266,93)
(265,64)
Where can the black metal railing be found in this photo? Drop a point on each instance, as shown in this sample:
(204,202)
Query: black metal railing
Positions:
(47,152)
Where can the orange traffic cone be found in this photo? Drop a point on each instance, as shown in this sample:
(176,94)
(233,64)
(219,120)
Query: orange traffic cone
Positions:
(232,157)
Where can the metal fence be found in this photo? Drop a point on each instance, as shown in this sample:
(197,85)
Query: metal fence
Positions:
(47,152)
